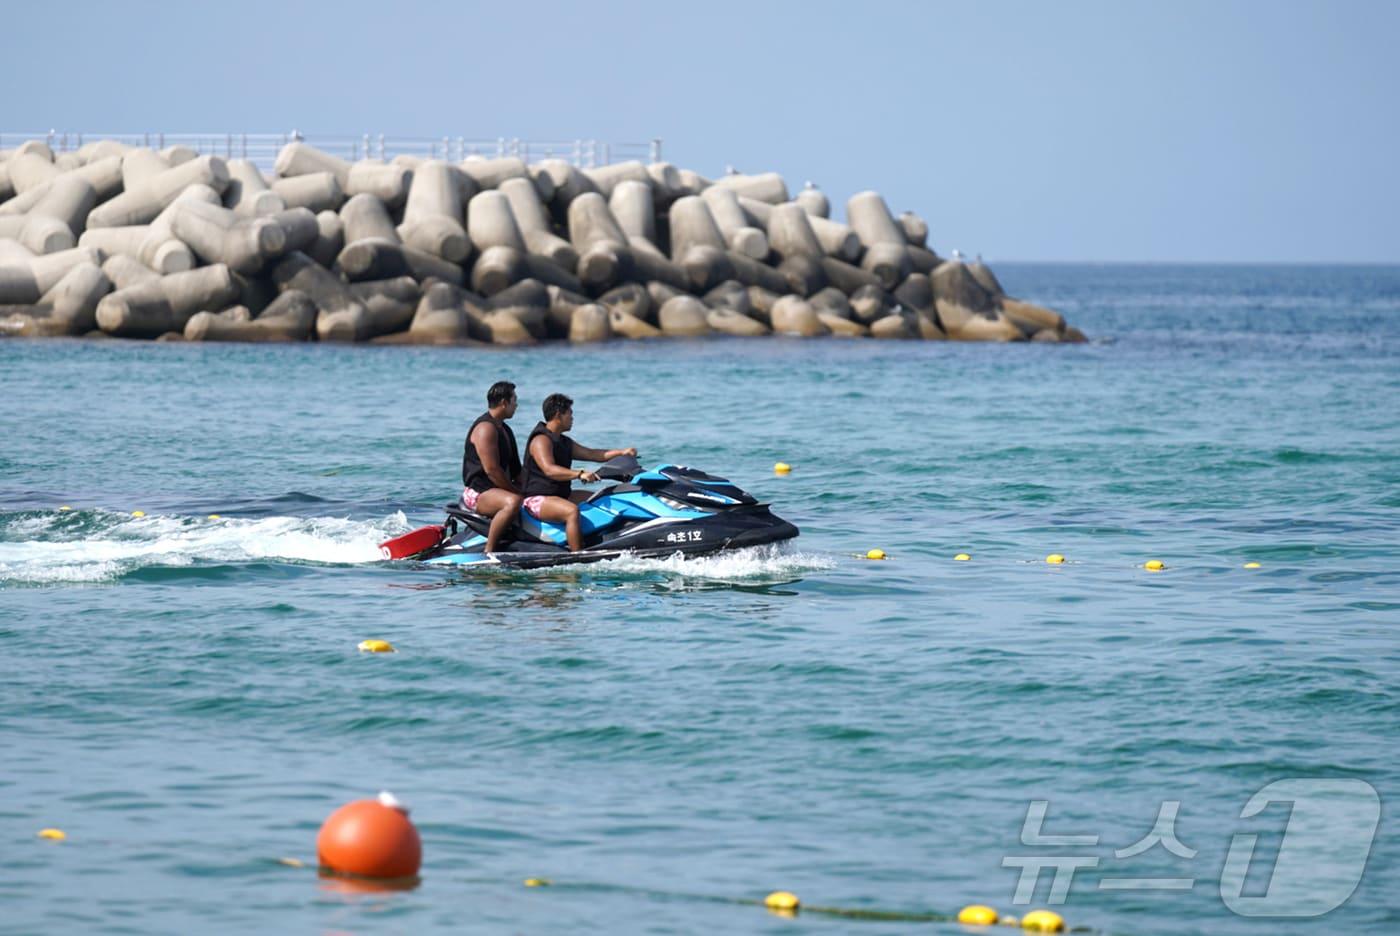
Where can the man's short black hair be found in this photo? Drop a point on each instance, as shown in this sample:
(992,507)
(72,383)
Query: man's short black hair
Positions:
(556,404)
(501,391)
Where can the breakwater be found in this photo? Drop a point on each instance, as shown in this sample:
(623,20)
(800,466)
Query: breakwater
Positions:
(131,242)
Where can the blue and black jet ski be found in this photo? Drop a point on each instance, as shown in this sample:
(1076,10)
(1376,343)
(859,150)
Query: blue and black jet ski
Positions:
(659,512)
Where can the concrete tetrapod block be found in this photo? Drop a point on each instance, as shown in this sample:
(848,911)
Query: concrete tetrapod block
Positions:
(386,182)
(299,228)
(497,269)
(366,217)
(916,292)
(161,250)
(248,194)
(547,271)
(598,238)
(178,154)
(255,293)
(886,246)
(12,251)
(527,302)
(631,298)
(869,304)
(732,295)
(330,238)
(535,225)
(448,314)
(761,303)
(24,282)
(666,183)
(790,233)
(217,235)
(376,259)
(634,206)
(697,244)
(299,159)
(1032,319)
(813,201)
(846,277)
(38,147)
(151,308)
(684,317)
(569,183)
(318,191)
(735,323)
(630,326)
(144,203)
(340,316)
(69,308)
(831,300)
(692,183)
(645,266)
(766,187)
(893,327)
(793,315)
(984,276)
(490,173)
(432,219)
(966,311)
(741,237)
(491,222)
(590,324)
(59,216)
(662,293)
(125,240)
(126,271)
(915,229)
(140,166)
(842,327)
(923,260)
(29,171)
(390,303)
(606,178)
(805,274)
(7,185)
(562,306)
(751,272)
(290,317)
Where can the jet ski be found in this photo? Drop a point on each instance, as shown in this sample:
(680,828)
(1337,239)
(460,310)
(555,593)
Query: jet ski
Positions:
(656,512)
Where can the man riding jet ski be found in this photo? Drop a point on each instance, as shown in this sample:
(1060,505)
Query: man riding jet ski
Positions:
(649,513)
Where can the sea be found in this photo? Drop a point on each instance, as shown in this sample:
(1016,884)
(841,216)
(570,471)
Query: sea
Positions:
(189,561)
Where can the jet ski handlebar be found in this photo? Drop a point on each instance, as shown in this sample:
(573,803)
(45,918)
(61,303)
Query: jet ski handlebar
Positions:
(622,468)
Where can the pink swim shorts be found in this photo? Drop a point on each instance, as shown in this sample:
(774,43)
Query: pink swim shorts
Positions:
(469,497)
(533,504)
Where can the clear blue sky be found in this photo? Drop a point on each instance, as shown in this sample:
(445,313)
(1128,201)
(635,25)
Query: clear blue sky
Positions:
(1039,131)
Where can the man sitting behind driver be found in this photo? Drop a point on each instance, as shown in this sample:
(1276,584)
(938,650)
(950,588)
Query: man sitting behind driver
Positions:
(491,464)
(548,473)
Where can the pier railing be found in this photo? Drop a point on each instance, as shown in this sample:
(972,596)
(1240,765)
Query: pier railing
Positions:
(262,148)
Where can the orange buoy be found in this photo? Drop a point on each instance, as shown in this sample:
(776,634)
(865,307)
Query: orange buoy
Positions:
(370,838)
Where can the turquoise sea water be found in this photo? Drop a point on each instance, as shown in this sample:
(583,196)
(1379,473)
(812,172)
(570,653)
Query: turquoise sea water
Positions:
(183,695)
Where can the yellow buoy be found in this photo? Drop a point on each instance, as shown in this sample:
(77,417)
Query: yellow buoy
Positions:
(376,646)
(1055,559)
(64,509)
(977,915)
(538,882)
(1043,921)
(138,513)
(782,468)
(875,554)
(53,835)
(1251,565)
(215,517)
(782,901)
(1154,565)
(962,557)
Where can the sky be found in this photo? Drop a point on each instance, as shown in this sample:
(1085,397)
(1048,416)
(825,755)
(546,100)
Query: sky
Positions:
(1067,131)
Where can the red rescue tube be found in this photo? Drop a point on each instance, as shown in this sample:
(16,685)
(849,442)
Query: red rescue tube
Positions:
(411,544)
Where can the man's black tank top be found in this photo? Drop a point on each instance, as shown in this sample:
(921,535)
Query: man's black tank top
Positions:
(473,474)
(533,480)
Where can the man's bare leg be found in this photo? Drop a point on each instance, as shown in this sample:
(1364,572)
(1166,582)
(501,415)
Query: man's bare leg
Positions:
(561,510)
(503,508)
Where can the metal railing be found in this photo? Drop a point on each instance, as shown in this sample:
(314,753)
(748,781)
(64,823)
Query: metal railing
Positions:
(262,148)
